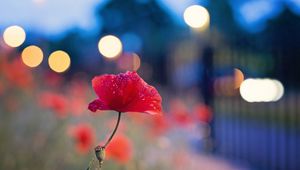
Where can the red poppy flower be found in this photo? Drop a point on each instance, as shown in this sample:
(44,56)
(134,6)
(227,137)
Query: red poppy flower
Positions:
(58,103)
(125,92)
(84,137)
(119,149)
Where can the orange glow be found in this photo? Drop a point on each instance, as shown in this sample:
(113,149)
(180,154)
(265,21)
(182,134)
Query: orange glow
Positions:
(32,56)
(59,61)
(238,78)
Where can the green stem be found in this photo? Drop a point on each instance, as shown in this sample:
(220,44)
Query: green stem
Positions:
(115,130)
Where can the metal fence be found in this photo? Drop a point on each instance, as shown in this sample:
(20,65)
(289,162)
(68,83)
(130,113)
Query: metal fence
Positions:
(265,136)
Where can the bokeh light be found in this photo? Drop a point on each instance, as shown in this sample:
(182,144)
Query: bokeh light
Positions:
(197,17)
(14,36)
(261,90)
(32,56)
(129,61)
(136,62)
(280,90)
(110,46)
(59,61)
(238,78)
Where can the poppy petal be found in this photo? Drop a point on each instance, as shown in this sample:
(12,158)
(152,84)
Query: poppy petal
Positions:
(97,105)
(125,92)
(147,99)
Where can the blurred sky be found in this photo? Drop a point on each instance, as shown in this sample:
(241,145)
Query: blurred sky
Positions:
(52,17)
(57,16)
(253,15)
(49,16)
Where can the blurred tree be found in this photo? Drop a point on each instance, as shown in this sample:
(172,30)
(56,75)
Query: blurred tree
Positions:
(146,21)
(282,37)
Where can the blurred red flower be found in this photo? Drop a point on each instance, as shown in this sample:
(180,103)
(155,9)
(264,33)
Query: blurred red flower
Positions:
(125,92)
(2,88)
(53,79)
(57,102)
(17,74)
(119,149)
(77,92)
(84,137)
(159,125)
(203,113)
(179,112)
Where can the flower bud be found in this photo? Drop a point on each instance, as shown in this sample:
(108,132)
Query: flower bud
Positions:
(100,154)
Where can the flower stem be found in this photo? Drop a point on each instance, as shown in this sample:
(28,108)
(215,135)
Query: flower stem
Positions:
(99,149)
(115,130)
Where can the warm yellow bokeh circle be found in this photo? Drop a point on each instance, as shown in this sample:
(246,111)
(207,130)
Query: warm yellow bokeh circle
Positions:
(32,56)
(59,61)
